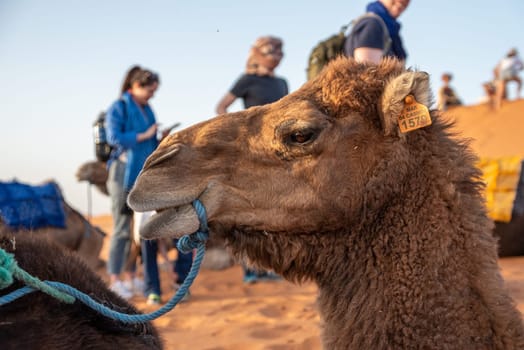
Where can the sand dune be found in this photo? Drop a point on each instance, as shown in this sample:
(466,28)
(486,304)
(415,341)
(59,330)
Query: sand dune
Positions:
(225,314)
(493,134)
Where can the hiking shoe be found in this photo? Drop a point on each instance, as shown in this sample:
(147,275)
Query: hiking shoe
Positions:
(270,276)
(250,278)
(185,297)
(136,285)
(153,299)
(119,288)
(176,287)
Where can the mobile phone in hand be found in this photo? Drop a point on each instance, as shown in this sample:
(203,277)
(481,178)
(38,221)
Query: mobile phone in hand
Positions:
(176,125)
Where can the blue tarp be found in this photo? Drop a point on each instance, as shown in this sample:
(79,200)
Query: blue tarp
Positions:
(31,207)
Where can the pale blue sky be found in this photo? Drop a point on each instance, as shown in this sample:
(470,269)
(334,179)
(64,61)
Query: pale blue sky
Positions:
(62,62)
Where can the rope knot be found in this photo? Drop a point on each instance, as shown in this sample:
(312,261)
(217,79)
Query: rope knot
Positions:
(67,293)
(189,242)
(7,266)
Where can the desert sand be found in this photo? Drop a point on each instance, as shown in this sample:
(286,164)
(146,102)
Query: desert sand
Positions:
(225,314)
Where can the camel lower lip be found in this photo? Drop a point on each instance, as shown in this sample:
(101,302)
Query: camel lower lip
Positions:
(172,222)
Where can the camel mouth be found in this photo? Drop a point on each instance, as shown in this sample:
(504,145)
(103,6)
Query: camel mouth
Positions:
(171,222)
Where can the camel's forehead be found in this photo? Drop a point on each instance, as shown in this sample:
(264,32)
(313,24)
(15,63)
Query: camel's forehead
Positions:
(263,118)
(293,107)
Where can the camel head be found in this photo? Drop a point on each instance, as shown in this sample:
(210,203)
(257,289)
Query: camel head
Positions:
(305,165)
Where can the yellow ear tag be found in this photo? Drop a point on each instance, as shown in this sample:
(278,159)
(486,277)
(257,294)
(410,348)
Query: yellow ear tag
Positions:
(414,115)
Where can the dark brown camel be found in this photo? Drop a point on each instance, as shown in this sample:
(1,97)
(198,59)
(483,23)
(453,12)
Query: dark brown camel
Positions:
(39,321)
(78,235)
(95,173)
(323,186)
(510,236)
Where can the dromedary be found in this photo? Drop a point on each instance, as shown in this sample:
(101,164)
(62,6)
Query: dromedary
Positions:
(95,173)
(511,234)
(323,186)
(39,321)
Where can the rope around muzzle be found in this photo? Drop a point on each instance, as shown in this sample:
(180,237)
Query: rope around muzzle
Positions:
(9,271)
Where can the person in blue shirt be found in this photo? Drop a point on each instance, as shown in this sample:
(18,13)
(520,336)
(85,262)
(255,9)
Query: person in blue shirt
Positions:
(132,131)
(367,43)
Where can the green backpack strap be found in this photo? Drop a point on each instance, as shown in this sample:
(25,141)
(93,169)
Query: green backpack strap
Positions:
(332,47)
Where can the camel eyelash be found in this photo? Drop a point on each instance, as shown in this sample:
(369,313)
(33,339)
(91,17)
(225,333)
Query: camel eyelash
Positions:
(301,137)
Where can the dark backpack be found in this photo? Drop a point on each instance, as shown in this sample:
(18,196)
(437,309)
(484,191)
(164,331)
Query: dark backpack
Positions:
(332,47)
(102,147)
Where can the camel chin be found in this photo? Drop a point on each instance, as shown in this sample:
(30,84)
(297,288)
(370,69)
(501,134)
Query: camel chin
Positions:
(172,222)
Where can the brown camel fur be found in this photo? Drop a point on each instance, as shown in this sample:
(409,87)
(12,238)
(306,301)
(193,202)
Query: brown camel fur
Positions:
(78,235)
(39,321)
(323,186)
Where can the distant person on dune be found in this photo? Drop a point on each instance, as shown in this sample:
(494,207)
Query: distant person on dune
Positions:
(446,94)
(489,93)
(507,70)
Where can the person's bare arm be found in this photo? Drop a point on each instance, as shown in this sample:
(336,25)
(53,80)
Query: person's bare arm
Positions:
(146,135)
(368,54)
(441,99)
(225,102)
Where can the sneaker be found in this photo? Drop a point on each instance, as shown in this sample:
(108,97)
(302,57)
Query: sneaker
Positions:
(185,297)
(250,278)
(176,287)
(119,288)
(270,276)
(136,285)
(153,299)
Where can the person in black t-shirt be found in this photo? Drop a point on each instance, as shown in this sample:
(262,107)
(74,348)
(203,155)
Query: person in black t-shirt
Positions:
(446,96)
(258,85)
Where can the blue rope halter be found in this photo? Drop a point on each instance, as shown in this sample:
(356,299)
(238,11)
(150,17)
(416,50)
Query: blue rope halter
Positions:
(185,244)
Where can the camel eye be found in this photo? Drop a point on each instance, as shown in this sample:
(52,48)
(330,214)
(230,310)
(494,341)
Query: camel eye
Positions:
(301,137)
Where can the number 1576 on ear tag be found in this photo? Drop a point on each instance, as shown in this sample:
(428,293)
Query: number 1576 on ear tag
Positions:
(414,115)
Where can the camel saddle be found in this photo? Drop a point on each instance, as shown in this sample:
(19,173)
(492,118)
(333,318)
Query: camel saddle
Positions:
(24,206)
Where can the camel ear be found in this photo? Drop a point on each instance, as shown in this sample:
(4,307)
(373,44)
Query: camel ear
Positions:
(393,98)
